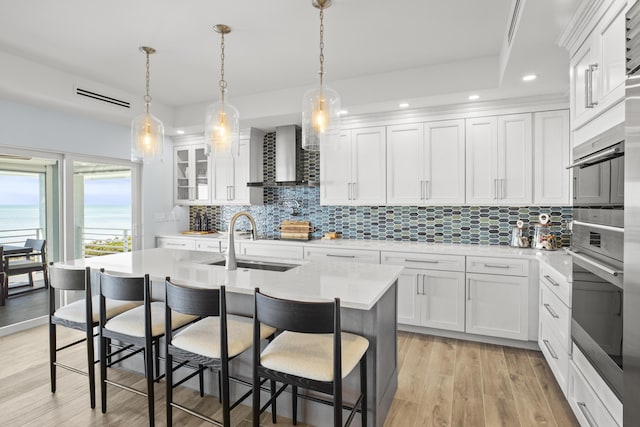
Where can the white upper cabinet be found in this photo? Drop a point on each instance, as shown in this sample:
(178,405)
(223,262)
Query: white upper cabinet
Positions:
(191,174)
(231,175)
(552,154)
(482,161)
(352,170)
(425,163)
(499,160)
(597,66)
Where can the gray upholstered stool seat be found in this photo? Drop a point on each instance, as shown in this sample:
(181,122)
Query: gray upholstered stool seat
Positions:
(131,322)
(76,311)
(311,355)
(203,337)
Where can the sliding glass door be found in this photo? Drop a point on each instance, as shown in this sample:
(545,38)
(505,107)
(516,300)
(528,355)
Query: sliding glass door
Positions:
(102,195)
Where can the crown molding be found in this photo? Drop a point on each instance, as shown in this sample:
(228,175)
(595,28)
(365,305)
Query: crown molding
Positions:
(582,22)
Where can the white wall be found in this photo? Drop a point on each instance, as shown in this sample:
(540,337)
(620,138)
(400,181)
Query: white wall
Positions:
(28,127)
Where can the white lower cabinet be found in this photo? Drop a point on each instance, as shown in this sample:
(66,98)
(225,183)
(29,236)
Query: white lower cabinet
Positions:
(208,245)
(266,249)
(176,243)
(593,403)
(348,255)
(497,306)
(554,330)
(431,298)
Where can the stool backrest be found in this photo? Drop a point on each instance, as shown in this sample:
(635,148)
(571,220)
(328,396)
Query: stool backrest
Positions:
(194,301)
(69,279)
(124,288)
(297,316)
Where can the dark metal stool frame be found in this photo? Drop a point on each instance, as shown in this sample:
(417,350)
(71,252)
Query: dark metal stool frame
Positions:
(63,279)
(309,318)
(128,289)
(203,303)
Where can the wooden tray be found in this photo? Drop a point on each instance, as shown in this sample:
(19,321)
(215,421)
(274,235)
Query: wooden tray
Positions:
(295,230)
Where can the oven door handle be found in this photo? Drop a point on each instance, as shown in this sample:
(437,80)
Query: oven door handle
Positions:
(590,261)
(598,157)
(600,226)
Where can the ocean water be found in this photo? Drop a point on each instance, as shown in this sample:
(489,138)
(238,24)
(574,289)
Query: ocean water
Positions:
(110,219)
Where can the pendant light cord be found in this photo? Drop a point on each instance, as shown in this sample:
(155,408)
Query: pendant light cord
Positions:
(321,45)
(223,82)
(147,97)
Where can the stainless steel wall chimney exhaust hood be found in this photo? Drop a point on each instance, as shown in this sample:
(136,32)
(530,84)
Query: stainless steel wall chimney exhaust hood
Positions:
(289,164)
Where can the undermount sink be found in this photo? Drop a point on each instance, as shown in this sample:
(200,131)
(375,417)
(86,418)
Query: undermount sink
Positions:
(259,265)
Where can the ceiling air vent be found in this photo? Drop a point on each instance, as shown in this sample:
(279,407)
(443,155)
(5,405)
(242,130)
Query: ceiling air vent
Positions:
(514,20)
(102,98)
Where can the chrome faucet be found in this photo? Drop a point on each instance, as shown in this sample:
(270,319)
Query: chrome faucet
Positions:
(231,250)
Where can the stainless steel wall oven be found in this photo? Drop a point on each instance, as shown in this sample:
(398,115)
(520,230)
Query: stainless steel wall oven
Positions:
(598,255)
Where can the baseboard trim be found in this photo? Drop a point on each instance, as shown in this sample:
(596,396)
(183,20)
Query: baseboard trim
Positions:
(21,326)
(528,345)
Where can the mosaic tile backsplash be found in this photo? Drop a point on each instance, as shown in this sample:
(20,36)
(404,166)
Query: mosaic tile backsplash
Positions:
(449,224)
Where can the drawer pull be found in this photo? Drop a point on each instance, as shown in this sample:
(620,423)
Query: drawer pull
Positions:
(175,244)
(550,280)
(341,256)
(550,310)
(587,414)
(427,261)
(548,345)
(496,266)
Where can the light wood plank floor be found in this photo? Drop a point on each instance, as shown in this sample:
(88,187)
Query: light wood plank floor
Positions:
(442,382)
(447,382)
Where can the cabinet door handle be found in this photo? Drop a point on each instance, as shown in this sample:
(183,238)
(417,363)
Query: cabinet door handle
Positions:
(418,284)
(575,188)
(550,310)
(587,414)
(550,280)
(548,345)
(427,261)
(592,68)
(180,245)
(468,289)
(355,190)
(587,88)
(424,284)
(496,266)
(340,256)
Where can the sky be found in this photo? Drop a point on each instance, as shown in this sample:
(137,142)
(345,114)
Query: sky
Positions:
(24,190)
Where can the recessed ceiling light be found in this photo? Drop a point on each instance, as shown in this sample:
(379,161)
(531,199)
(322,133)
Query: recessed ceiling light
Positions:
(403,105)
(529,77)
(473,97)
(343,112)
(180,132)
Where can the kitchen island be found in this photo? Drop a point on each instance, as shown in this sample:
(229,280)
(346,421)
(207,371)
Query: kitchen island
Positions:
(368,298)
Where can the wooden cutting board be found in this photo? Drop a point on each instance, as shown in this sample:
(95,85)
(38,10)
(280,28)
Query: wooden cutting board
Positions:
(295,230)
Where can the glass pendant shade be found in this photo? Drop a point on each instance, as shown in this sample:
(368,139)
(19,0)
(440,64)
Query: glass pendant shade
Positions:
(320,117)
(147,138)
(222,130)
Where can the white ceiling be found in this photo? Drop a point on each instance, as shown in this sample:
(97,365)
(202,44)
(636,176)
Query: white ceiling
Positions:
(377,52)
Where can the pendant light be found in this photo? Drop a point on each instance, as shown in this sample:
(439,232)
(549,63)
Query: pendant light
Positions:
(147,131)
(320,105)
(222,121)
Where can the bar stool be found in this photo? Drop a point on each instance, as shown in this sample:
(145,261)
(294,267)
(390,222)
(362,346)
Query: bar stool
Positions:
(74,316)
(311,352)
(212,341)
(139,329)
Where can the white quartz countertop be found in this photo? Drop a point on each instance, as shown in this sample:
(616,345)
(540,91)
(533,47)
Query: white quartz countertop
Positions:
(358,286)
(387,245)
(560,261)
